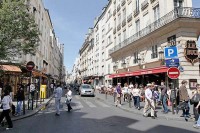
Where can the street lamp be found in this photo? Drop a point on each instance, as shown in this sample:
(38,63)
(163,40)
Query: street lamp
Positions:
(124,64)
(161,57)
(139,62)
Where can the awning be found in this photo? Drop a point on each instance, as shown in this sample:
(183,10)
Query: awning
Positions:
(38,74)
(141,72)
(10,68)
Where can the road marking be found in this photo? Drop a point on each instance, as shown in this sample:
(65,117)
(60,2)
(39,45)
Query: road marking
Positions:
(102,104)
(90,104)
(78,105)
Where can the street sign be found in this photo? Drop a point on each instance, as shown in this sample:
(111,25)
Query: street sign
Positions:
(173,73)
(171,52)
(30,66)
(174,62)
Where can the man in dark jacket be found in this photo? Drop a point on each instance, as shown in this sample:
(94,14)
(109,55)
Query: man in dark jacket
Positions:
(184,97)
(20,98)
(164,97)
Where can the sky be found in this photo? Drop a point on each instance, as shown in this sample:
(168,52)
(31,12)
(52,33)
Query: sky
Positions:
(71,20)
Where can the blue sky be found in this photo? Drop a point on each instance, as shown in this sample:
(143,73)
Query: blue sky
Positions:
(71,20)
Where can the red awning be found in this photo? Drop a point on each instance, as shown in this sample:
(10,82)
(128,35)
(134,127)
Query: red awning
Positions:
(141,72)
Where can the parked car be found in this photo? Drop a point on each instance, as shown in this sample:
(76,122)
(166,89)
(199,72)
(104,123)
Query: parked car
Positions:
(86,90)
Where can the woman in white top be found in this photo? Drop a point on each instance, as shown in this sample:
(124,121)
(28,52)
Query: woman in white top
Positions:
(68,99)
(6,102)
(125,91)
(136,96)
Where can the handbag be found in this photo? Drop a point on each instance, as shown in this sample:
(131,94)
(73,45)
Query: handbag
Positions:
(195,98)
(183,105)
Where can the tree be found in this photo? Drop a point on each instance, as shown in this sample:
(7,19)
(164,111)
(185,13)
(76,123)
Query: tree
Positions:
(19,33)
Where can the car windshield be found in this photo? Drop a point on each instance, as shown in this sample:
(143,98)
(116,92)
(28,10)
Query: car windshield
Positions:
(86,87)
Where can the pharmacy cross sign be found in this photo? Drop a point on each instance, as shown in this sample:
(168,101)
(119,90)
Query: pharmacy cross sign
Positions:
(173,73)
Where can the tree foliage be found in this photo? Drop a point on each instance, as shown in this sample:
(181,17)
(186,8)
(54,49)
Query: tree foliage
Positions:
(19,33)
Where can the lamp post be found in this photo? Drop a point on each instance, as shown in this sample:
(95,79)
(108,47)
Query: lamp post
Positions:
(161,57)
(139,62)
(124,64)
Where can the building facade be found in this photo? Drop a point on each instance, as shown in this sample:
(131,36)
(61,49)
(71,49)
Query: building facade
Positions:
(130,37)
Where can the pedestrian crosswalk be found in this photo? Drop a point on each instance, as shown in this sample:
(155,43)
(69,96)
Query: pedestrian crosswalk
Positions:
(77,104)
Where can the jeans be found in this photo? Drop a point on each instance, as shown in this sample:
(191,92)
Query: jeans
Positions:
(164,102)
(198,121)
(187,110)
(19,104)
(57,104)
(137,101)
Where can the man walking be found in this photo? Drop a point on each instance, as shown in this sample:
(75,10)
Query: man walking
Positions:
(58,95)
(164,97)
(149,102)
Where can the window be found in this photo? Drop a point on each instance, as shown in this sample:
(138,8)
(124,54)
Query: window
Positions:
(124,14)
(178,3)
(119,18)
(135,57)
(124,35)
(137,5)
(108,26)
(109,40)
(156,13)
(109,14)
(137,24)
(172,40)
(119,38)
(154,52)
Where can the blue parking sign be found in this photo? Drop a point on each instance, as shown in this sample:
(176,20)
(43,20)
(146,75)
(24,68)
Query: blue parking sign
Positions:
(171,52)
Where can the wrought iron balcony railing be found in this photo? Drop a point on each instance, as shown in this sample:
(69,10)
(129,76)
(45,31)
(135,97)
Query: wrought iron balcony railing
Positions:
(129,18)
(144,4)
(185,12)
(152,1)
(118,7)
(123,2)
(118,27)
(136,12)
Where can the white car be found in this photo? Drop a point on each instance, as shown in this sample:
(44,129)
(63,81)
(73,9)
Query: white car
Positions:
(86,90)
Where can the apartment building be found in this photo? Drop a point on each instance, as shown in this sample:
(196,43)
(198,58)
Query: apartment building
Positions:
(130,37)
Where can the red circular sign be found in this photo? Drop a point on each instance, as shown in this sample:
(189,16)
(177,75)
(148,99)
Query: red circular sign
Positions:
(173,73)
(30,65)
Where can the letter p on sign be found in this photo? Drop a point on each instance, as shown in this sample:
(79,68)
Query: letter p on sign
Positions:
(171,52)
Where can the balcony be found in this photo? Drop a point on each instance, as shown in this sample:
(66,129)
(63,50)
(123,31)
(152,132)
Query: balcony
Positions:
(123,2)
(114,12)
(114,30)
(123,22)
(136,12)
(129,18)
(118,8)
(152,1)
(144,4)
(119,27)
(178,13)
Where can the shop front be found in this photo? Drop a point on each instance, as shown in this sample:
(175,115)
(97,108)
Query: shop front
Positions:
(143,76)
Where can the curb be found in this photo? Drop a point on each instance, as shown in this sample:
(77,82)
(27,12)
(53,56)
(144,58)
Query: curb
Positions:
(141,114)
(34,111)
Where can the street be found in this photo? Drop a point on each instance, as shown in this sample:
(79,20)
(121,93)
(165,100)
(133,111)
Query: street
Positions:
(90,115)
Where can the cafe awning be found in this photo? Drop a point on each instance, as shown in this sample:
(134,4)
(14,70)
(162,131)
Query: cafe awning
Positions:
(140,72)
(10,68)
(38,74)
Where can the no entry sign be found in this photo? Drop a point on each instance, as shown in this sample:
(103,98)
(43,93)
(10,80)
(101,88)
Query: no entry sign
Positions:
(30,65)
(173,73)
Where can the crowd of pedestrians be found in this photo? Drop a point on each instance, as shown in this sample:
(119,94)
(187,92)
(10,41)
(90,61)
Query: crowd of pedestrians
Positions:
(153,95)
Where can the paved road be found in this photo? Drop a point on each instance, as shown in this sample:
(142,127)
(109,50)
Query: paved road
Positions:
(92,116)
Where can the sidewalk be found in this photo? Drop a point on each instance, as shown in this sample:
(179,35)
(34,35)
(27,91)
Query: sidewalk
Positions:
(125,107)
(41,105)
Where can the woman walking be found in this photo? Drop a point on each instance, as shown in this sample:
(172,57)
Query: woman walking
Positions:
(118,91)
(6,102)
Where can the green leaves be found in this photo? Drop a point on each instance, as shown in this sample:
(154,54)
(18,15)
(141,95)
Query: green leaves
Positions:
(19,33)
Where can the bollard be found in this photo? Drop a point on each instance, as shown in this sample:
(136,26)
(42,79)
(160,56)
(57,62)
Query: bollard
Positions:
(173,107)
(106,94)
(32,103)
(114,95)
(120,99)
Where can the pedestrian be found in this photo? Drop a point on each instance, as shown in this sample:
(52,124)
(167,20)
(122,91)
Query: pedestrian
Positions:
(58,95)
(196,93)
(164,97)
(197,125)
(7,103)
(125,92)
(1,89)
(68,99)
(136,96)
(8,88)
(20,98)
(149,102)
(184,98)
(118,91)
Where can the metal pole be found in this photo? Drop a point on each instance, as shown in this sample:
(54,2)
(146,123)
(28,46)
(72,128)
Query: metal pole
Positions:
(129,98)
(173,88)
(106,94)
(24,103)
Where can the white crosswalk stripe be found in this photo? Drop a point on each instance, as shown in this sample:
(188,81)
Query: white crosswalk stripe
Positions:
(102,104)
(90,104)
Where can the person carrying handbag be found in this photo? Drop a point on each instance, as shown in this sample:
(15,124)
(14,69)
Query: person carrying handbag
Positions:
(7,103)
(68,96)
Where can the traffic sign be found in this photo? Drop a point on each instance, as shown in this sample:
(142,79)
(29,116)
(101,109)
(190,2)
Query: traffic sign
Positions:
(30,65)
(172,62)
(173,73)
(171,52)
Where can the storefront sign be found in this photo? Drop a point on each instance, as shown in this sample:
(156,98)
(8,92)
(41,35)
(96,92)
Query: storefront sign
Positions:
(172,62)
(191,52)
